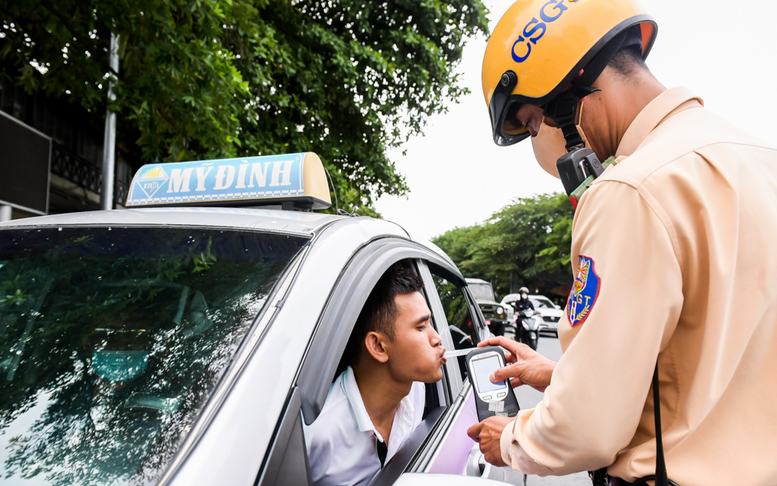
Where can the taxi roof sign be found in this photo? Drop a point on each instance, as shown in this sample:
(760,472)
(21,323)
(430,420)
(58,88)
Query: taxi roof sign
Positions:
(290,180)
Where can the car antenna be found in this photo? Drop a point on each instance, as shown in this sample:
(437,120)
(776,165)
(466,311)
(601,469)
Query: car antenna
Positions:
(334,190)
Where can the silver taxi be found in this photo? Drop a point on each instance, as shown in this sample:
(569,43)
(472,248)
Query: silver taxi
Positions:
(191,345)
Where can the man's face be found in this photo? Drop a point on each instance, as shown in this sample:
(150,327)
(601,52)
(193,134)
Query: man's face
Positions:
(416,352)
(531,117)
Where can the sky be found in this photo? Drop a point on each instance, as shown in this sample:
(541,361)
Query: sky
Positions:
(723,51)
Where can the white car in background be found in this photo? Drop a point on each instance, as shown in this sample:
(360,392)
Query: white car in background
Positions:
(550,312)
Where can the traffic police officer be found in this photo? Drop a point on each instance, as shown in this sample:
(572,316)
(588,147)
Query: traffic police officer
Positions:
(673,255)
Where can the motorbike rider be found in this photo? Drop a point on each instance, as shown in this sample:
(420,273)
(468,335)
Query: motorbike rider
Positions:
(523,302)
(672,253)
(523,308)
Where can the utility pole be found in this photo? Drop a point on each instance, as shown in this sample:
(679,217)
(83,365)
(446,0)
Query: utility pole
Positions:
(109,140)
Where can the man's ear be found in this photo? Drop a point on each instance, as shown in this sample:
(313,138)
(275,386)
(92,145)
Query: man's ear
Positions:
(375,343)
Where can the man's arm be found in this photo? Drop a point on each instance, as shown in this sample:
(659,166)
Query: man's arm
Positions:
(598,389)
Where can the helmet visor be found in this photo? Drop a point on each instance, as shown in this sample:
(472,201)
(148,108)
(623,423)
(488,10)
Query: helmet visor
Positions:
(506,127)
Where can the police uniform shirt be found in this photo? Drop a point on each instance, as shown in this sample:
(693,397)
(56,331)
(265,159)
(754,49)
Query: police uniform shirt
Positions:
(342,442)
(673,253)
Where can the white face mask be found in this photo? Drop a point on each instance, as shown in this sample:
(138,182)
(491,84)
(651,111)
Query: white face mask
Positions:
(549,145)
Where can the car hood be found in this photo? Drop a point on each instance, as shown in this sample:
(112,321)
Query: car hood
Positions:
(551,312)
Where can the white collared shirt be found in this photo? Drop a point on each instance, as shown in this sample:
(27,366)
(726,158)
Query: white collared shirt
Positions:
(342,442)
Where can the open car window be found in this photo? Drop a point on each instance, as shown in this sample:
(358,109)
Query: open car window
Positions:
(113,339)
(324,362)
(462,321)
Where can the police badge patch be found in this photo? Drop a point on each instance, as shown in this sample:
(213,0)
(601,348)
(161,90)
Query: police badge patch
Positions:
(584,292)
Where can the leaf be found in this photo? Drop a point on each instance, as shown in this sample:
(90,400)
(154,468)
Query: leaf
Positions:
(528,241)
(221,78)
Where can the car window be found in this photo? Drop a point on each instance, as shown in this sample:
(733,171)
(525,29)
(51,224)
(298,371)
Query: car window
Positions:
(112,340)
(342,321)
(458,312)
(542,302)
(346,325)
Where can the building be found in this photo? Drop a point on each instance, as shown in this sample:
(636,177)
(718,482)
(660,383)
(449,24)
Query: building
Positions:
(51,157)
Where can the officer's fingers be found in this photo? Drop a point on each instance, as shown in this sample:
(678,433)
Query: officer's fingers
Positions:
(505,343)
(494,341)
(507,372)
(523,352)
(474,431)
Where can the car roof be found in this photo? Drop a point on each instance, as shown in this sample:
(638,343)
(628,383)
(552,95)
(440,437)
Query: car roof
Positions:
(249,218)
(477,281)
(304,223)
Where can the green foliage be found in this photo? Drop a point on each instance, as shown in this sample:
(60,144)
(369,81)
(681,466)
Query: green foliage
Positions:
(218,78)
(530,238)
(205,259)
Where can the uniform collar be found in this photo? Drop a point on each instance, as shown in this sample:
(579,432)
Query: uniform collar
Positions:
(667,103)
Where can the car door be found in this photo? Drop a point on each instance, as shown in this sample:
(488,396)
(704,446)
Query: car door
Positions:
(286,464)
(449,450)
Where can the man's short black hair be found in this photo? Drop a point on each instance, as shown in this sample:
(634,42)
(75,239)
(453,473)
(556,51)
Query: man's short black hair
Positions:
(628,61)
(380,311)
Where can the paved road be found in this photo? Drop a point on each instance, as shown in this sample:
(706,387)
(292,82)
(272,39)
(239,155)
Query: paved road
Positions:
(529,397)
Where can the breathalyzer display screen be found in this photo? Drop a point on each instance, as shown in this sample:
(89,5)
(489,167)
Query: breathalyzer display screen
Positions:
(482,368)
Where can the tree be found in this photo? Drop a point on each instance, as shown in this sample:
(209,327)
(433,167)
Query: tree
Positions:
(530,238)
(218,78)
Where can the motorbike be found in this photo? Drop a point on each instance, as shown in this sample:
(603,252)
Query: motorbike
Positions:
(527,327)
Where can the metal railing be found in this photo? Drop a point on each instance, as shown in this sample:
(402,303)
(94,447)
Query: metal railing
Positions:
(80,171)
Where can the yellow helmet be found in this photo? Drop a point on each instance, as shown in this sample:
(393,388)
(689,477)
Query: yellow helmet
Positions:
(539,46)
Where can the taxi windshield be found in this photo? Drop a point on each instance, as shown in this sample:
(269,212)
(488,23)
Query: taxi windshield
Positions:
(112,340)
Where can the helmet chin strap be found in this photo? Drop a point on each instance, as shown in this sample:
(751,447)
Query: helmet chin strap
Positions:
(563,110)
(580,166)
(580,162)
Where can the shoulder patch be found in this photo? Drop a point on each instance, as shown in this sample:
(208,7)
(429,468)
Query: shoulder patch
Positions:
(584,292)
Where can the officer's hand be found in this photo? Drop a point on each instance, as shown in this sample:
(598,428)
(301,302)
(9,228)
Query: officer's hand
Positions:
(526,366)
(489,434)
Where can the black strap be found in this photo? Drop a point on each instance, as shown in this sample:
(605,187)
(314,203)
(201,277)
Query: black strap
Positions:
(661,477)
(563,110)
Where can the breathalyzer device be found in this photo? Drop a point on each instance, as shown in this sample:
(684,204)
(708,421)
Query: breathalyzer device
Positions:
(491,399)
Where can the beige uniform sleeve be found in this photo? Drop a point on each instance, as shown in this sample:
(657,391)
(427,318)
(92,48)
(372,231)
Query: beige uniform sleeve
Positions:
(599,388)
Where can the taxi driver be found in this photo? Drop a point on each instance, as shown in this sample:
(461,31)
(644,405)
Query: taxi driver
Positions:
(377,402)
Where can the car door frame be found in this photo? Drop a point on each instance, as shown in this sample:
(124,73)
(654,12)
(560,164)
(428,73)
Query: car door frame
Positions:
(461,411)
(283,463)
